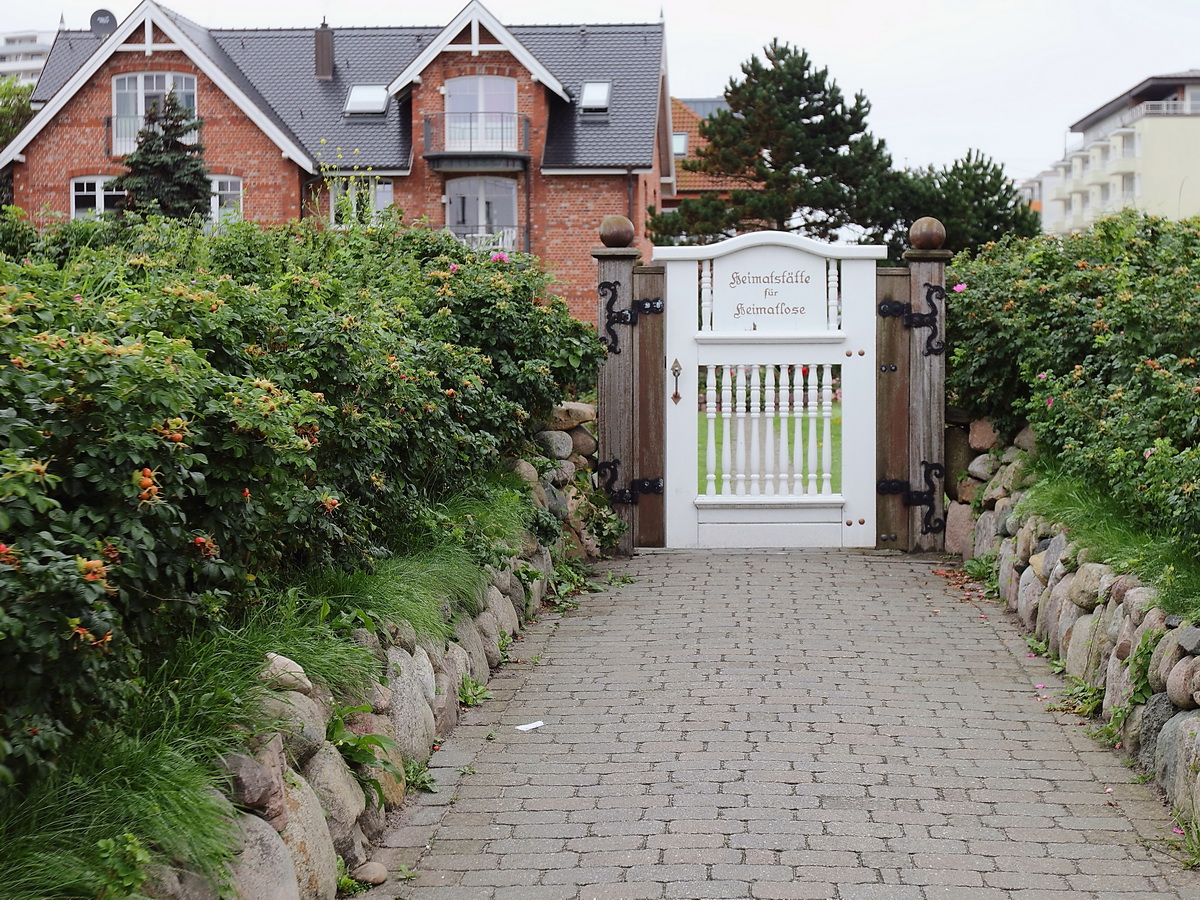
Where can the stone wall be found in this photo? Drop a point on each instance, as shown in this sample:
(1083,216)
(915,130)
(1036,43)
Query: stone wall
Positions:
(1102,624)
(569,447)
(300,804)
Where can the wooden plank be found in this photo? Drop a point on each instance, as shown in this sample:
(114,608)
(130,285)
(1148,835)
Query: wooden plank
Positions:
(892,413)
(650,383)
(615,388)
(927,394)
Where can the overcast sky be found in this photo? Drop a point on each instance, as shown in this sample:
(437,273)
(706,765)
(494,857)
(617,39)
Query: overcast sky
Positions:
(1007,77)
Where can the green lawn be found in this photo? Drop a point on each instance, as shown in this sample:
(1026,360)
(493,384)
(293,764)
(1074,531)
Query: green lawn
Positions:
(835,432)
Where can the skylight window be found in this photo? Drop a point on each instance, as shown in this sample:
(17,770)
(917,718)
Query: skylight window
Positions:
(595,96)
(367,99)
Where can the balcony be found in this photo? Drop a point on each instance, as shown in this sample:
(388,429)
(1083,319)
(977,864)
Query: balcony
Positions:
(1123,165)
(1061,192)
(486,238)
(1161,108)
(120,134)
(477,142)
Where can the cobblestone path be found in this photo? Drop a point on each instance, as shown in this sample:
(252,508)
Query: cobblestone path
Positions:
(827,725)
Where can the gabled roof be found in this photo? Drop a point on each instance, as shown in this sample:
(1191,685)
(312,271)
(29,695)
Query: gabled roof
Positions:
(272,71)
(477,24)
(188,37)
(686,119)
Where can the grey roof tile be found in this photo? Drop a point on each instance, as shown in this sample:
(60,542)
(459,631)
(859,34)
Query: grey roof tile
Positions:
(280,64)
(274,68)
(630,56)
(71,49)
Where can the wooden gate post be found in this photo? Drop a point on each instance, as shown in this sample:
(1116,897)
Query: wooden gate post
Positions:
(650,398)
(891,410)
(927,385)
(615,408)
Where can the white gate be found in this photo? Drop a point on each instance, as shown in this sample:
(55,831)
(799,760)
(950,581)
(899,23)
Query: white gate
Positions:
(770,423)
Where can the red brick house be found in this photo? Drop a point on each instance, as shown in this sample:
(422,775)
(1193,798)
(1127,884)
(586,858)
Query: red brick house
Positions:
(686,141)
(515,137)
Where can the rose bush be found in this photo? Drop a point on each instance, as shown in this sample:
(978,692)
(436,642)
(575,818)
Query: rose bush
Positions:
(189,419)
(1093,338)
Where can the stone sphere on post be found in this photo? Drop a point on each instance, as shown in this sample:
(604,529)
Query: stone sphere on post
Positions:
(616,231)
(927,233)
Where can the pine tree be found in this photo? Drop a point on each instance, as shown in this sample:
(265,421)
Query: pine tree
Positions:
(166,173)
(972,197)
(802,152)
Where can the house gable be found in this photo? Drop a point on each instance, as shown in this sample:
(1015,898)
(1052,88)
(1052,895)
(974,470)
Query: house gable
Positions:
(477,31)
(151,30)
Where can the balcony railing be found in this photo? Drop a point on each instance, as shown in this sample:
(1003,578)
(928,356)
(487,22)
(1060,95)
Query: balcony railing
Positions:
(120,134)
(1104,129)
(1161,108)
(486,238)
(480,132)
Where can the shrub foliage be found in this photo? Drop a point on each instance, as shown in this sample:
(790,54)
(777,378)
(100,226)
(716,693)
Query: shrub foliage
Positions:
(1093,338)
(188,419)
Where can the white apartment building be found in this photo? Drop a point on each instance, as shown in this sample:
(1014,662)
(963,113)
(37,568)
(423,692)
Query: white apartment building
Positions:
(1141,150)
(23,53)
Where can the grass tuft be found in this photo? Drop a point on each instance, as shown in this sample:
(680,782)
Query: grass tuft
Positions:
(1096,521)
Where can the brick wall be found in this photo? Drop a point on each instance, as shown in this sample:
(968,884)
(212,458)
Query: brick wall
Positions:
(75,144)
(564,211)
(562,216)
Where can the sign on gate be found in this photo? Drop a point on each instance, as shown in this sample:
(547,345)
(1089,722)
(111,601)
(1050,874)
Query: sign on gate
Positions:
(770,409)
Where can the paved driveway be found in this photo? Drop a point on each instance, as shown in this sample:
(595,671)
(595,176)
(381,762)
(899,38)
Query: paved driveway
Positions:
(829,725)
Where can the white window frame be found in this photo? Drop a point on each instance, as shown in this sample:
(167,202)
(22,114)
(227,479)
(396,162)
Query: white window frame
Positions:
(372,195)
(481,113)
(129,94)
(225,202)
(595,97)
(97,192)
(679,148)
(487,229)
(220,209)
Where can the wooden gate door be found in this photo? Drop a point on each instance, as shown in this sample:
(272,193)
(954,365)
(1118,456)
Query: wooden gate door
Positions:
(770,353)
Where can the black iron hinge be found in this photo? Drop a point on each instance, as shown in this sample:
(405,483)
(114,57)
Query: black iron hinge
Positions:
(904,312)
(636,487)
(610,290)
(929,471)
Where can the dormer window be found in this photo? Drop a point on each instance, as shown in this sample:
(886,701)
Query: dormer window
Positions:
(366,100)
(594,97)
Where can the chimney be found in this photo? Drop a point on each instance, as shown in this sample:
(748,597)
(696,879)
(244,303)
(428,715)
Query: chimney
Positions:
(323,41)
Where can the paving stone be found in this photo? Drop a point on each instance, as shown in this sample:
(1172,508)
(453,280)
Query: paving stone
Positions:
(778,726)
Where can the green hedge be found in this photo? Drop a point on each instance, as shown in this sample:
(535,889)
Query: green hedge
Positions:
(1092,338)
(184,418)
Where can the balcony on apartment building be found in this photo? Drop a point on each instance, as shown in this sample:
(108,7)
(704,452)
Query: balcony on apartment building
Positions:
(1122,123)
(477,142)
